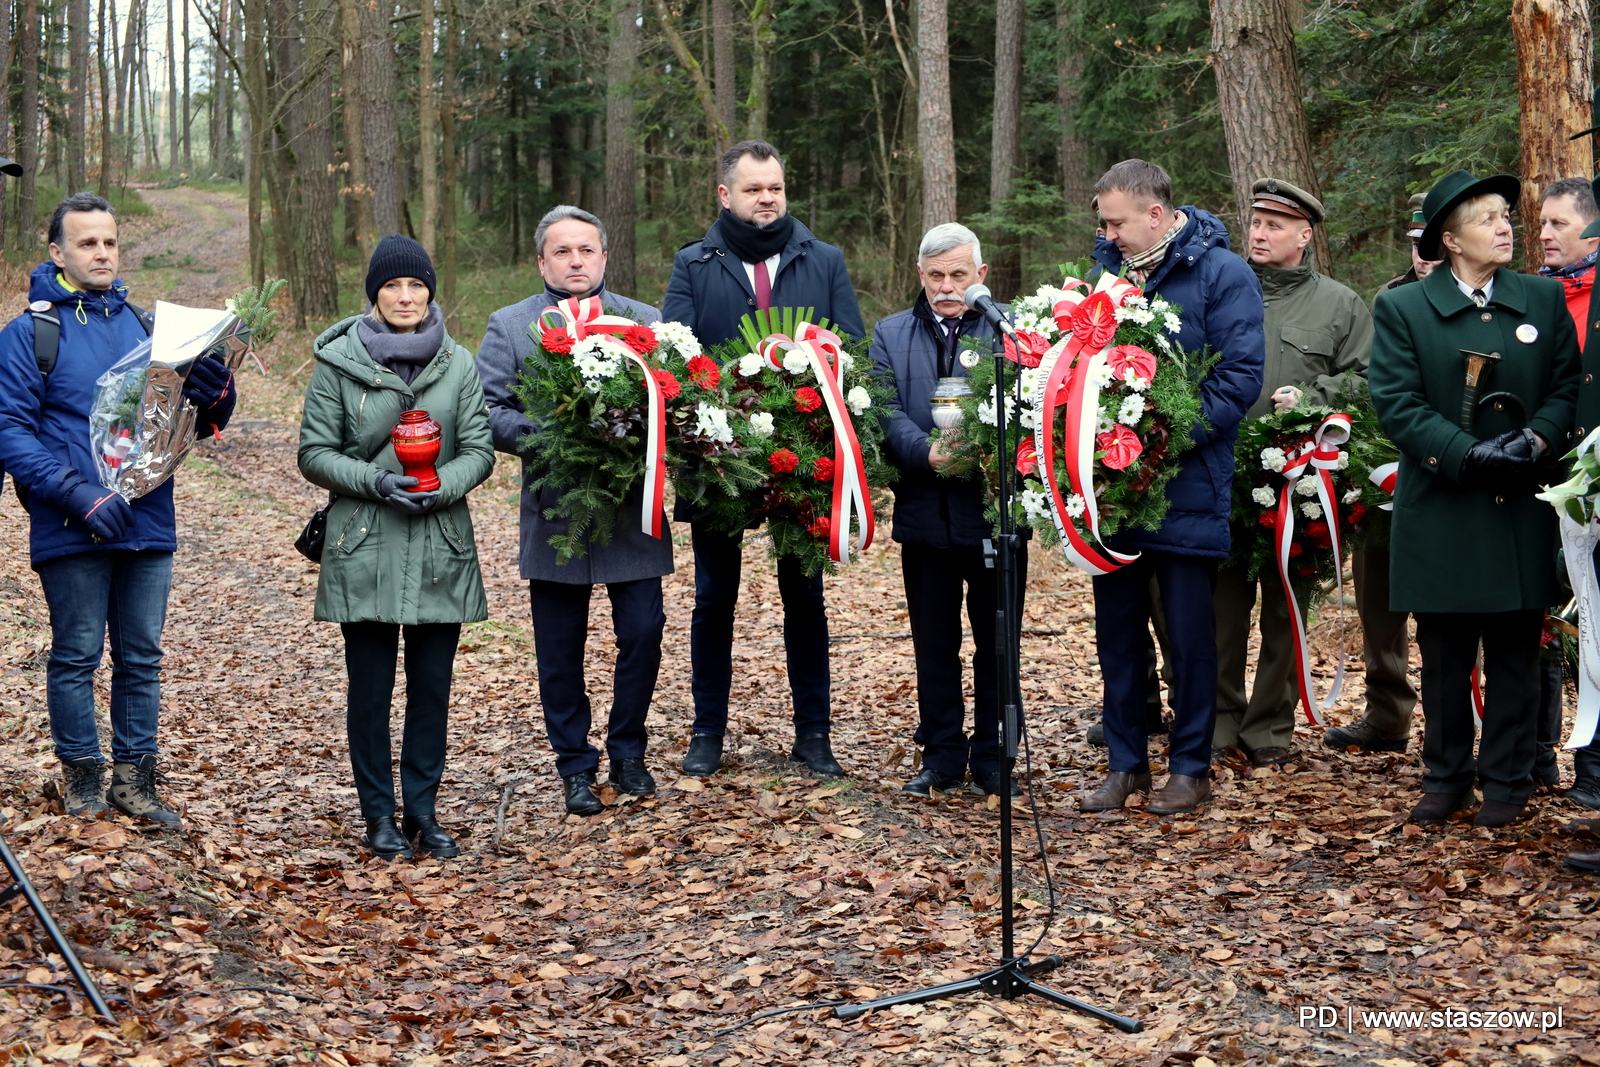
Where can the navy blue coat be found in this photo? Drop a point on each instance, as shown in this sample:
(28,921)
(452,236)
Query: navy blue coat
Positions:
(929,509)
(1222,307)
(710,291)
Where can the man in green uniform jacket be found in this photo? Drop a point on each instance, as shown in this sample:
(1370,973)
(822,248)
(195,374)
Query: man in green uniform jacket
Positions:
(1318,333)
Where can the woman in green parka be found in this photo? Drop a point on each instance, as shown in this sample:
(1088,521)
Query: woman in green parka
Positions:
(1473,553)
(397,560)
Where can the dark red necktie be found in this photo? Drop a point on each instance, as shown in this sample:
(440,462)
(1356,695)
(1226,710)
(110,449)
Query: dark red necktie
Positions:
(763,286)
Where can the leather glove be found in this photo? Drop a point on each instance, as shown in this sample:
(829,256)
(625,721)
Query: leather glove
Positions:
(1503,462)
(103,510)
(210,388)
(395,490)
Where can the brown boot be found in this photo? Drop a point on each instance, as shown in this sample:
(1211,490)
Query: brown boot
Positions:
(1435,807)
(1587,861)
(1497,813)
(1180,794)
(1114,793)
(1582,826)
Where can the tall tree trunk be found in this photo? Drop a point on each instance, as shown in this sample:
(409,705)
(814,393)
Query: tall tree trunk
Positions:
(594,175)
(315,158)
(1555,84)
(78,95)
(715,129)
(723,51)
(1263,114)
(255,72)
(447,185)
(28,121)
(219,90)
(379,118)
(355,155)
(1077,179)
(103,186)
(935,127)
(620,210)
(764,45)
(1005,273)
(188,119)
(285,117)
(5,110)
(172,101)
(425,148)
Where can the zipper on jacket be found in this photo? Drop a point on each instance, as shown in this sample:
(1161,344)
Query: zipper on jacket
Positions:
(340,543)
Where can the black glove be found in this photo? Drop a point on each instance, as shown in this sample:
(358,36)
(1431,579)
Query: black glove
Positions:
(103,510)
(395,490)
(209,387)
(1502,463)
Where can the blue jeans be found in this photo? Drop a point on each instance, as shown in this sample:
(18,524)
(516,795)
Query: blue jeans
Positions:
(91,594)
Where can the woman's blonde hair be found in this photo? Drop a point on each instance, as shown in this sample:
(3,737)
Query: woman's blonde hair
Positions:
(1465,211)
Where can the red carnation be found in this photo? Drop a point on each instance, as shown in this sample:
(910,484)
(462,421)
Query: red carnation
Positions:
(1355,513)
(1269,519)
(1319,534)
(704,373)
(1295,548)
(1122,446)
(669,385)
(642,339)
(1094,322)
(783,461)
(821,528)
(807,399)
(822,470)
(558,341)
(1027,456)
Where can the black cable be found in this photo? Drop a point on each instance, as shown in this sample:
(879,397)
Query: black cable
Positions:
(17,983)
(1038,829)
(778,1011)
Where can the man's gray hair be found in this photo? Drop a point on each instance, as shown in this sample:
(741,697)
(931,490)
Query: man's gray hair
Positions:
(91,202)
(560,213)
(945,238)
(1582,193)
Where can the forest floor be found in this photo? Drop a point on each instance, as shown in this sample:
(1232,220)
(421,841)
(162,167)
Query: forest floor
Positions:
(261,934)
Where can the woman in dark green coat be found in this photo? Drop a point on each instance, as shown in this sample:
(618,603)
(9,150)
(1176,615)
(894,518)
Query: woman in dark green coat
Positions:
(1473,553)
(397,559)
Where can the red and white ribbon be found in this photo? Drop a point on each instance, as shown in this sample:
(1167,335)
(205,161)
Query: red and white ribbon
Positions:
(585,316)
(851,497)
(1318,458)
(1384,478)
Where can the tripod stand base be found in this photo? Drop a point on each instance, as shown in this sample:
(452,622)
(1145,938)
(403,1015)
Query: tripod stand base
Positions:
(21,885)
(1010,980)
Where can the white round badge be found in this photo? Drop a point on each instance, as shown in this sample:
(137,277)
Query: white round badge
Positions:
(969,358)
(1527,333)
(40,305)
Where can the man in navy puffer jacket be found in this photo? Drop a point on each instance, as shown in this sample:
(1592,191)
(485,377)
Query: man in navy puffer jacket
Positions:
(1181,254)
(105,564)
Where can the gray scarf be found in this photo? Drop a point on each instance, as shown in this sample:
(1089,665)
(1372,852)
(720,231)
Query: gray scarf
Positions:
(404,353)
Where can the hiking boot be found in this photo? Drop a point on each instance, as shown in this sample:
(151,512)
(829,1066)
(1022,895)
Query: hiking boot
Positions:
(133,792)
(84,786)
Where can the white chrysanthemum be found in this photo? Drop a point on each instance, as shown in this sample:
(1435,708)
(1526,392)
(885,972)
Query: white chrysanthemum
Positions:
(1311,509)
(986,412)
(1172,323)
(596,361)
(750,364)
(1263,496)
(1075,506)
(1102,376)
(1273,459)
(1105,424)
(858,399)
(1139,316)
(1131,379)
(1028,417)
(1132,410)
(1028,383)
(1166,345)
(1306,486)
(846,361)
(795,362)
(713,422)
(761,423)
(679,336)
(1344,461)
(1140,301)
(1035,504)
(1351,497)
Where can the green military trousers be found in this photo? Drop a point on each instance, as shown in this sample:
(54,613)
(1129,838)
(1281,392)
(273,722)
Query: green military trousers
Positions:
(1264,718)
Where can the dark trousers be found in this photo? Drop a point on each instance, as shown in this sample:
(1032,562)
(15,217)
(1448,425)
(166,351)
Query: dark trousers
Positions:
(1122,618)
(935,580)
(717,568)
(370,652)
(560,631)
(1449,644)
(1547,735)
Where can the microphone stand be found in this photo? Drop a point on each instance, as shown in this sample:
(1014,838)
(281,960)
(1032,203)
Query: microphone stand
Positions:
(1014,975)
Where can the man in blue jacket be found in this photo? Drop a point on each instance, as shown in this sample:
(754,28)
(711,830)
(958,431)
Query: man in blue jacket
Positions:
(756,255)
(1181,254)
(105,564)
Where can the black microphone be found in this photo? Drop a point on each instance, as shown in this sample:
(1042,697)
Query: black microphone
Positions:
(978,298)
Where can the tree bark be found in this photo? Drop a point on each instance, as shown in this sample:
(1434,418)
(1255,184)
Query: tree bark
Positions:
(5,107)
(379,119)
(78,96)
(935,127)
(764,42)
(103,186)
(255,72)
(314,163)
(425,147)
(28,121)
(1555,84)
(1263,112)
(447,185)
(620,210)
(188,119)
(286,138)
(697,76)
(1077,177)
(723,60)
(218,89)
(171,99)
(1005,146)
(355,156)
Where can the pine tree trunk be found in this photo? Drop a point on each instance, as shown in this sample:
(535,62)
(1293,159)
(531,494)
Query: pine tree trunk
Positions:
(315,158)
(1555,84)
(103,186)
(594,143)
(723,57)
(620,210)
(355,155)
(379,119)
(718,132)
(764,41)
(285,138)
(425,113)
(28,121)
(1077,176)
(448,193)
(255,72)
(188,119)
(219,90)
(171,99)
(1005,271)
(935,127)
(5,112)
(1263,111)
(78,95)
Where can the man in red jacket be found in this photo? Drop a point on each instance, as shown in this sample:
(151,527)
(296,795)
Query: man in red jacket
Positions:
(1568,207)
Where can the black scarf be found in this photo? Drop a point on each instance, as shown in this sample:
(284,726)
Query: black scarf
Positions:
(562,294)
(752,243)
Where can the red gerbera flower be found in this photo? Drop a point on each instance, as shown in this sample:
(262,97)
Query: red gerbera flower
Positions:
(822,470)
(642,339)
(807,399)
(669,385)
(558,341)
(704,373)
(783,461)
(821,528)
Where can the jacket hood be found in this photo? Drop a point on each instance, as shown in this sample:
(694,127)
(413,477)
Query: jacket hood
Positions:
(1202,233)
(44,283)
(340,347)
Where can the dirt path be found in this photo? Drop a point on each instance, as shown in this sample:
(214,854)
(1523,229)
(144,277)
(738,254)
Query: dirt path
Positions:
(194,250)
(633,938)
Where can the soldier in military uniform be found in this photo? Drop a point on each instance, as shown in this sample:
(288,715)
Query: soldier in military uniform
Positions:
(1419,267)
(1318,332)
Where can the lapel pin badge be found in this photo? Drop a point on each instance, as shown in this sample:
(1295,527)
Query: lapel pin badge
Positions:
(1527,333)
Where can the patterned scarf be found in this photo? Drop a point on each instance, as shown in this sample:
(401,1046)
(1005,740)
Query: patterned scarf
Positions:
(1576,269)
(1139,266)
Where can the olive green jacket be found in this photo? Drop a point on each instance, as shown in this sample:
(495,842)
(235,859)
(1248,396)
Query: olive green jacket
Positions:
(1454,548)
(1318,332)
(380,565)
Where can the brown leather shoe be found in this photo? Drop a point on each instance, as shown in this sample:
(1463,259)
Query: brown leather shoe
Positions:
(1271,756)
(1114,793)
(1435,807)
(1180,794)
(1587,861)
(1582,826)
(1497,813)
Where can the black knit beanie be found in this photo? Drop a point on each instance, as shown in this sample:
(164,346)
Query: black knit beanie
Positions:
(398,256)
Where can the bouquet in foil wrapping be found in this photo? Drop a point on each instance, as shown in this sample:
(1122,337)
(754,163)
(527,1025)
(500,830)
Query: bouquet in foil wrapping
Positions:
(140,425)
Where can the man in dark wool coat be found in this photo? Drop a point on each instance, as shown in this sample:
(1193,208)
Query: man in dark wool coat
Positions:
(755,256)
(1181,254)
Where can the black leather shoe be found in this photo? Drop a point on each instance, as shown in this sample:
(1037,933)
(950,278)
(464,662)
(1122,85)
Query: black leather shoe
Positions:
(1585,791)
(928,781)
(427,836)
(988,785)
(1364,736)
(705,755)
(386,841)
(580,794)
(629,776)
(815,751)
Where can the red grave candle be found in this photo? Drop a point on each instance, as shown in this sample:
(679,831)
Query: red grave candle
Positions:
(416,446)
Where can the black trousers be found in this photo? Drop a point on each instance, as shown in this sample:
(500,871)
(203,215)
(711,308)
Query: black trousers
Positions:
(1506,751)
(560,632)
(371,650)
(717,566)
(935,579)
